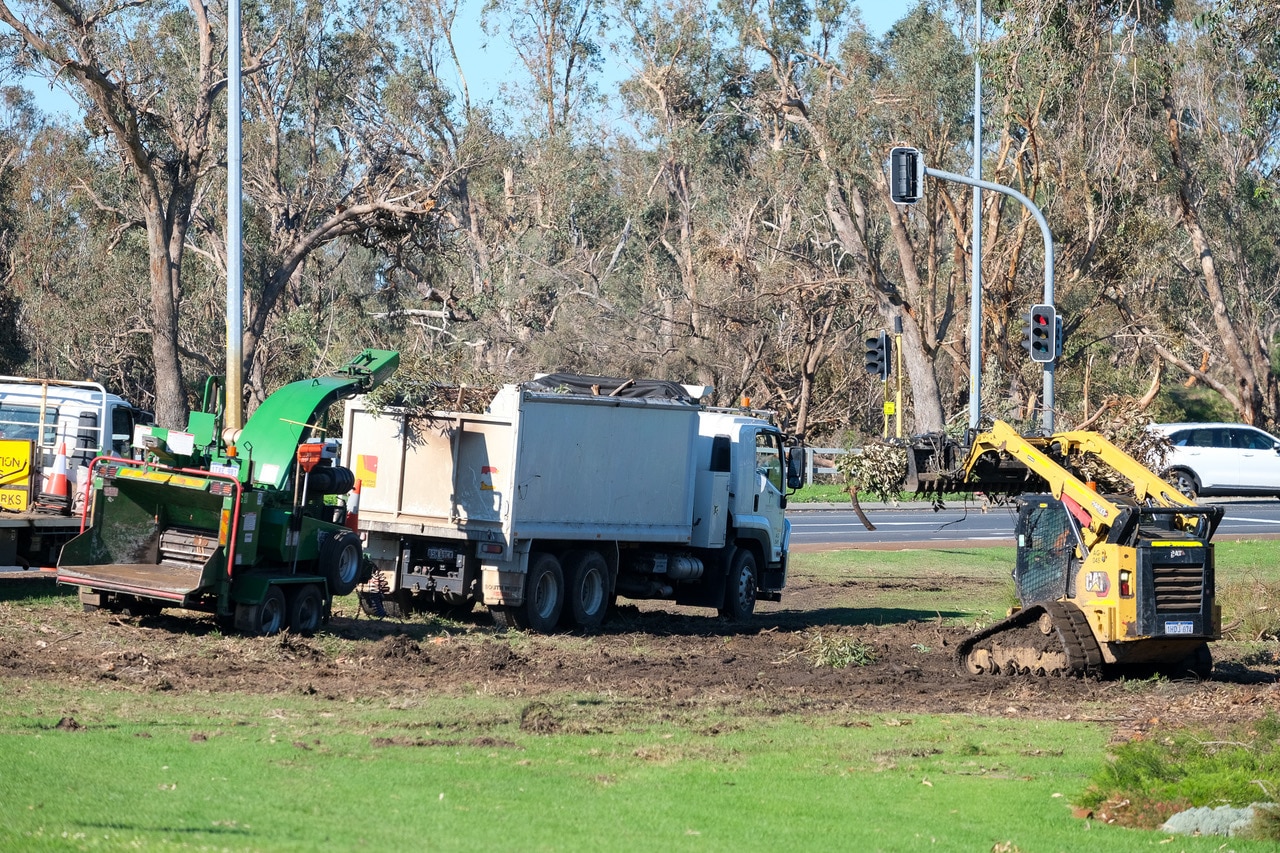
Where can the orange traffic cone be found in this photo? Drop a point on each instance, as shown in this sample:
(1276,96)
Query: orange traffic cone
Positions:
(353,508)
(56,495)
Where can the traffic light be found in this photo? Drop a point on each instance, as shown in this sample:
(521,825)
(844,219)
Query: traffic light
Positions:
(1041,333)
(879,351)
(906,175)
(1061,340)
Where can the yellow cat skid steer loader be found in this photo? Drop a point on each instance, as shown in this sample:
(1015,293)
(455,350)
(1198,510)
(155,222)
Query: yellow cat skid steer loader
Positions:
(1107,583)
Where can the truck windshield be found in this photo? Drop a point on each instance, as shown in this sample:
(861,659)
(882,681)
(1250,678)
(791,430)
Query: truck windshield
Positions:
(23,422)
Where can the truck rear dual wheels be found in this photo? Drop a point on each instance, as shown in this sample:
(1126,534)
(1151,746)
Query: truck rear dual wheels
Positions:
(586,589)
(543,597)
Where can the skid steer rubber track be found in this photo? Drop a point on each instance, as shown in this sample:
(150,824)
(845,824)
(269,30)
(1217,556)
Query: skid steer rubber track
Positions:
(1049,638)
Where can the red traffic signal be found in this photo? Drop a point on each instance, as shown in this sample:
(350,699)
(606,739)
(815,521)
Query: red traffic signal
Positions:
(1041,333)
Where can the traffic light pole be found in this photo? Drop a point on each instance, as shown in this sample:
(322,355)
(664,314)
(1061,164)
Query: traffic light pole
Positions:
(897,357)
(1046,414)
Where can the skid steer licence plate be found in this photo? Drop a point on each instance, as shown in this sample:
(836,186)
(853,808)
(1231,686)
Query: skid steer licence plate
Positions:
(1179,627)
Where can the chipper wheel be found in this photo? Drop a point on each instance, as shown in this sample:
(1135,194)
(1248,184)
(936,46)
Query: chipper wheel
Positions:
(265,618)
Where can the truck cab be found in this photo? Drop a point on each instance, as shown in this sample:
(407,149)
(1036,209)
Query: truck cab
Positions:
(81,417)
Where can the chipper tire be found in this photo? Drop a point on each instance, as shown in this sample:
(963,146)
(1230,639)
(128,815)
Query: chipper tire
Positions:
(266,618)
(341,557)
(306,609)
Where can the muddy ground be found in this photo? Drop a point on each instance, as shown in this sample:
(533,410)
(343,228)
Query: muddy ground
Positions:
(662,658)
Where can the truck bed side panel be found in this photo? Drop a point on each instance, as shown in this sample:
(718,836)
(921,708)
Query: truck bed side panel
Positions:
(593,470)
(544,467)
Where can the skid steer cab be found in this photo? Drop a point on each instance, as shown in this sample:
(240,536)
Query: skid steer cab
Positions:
(246,526)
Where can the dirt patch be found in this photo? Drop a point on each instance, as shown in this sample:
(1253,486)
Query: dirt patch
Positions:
(648,659)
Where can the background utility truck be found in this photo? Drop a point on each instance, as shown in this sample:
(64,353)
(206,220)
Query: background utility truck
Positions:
(568,492)
(48,425)
(231,522)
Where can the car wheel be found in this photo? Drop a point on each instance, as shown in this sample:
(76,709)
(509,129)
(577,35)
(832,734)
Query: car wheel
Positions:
(1185,482)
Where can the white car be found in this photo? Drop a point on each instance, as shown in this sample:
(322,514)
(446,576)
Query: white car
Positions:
(1221,459)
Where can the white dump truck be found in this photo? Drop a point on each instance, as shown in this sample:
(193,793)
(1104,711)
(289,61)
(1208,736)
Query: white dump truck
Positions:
(50,431)
(567,492)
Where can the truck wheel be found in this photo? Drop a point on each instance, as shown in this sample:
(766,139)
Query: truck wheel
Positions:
(740,586)
(306,609)
(340,557)
(266,617)
(587,588)
(543,595)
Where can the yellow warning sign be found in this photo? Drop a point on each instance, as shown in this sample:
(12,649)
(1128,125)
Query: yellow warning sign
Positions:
(15,474)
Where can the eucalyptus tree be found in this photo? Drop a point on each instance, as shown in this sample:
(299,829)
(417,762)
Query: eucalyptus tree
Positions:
(1130,122)
(147,75)
(73,271)
(19,122)
(823,90)
(330,163)
(558,44)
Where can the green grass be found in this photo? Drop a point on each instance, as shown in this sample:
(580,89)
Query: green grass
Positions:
(820,493)
(835,493)
(1149,778)
(300,773)
(410,769)
(878,587)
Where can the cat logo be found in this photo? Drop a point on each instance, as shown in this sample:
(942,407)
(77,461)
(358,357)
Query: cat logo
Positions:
(1099,583)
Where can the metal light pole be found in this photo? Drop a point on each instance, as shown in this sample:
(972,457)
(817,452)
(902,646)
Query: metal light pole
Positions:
(233,415)
(975,294)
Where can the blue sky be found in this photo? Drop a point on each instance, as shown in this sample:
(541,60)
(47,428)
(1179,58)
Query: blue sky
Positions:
(484,75)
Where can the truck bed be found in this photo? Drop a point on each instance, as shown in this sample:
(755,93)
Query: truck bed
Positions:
(540,466)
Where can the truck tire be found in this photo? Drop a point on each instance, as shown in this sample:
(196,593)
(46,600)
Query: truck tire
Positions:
(740,586)
(586,589)
(265,618)
(340,559)
(306,609)
(543,595)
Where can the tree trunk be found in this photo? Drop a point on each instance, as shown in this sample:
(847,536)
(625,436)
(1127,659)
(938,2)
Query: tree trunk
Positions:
(1251,397)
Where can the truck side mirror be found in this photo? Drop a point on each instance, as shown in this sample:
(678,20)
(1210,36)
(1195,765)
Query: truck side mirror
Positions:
(795,467)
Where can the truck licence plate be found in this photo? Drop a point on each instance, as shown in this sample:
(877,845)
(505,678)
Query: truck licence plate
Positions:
(1179,627)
